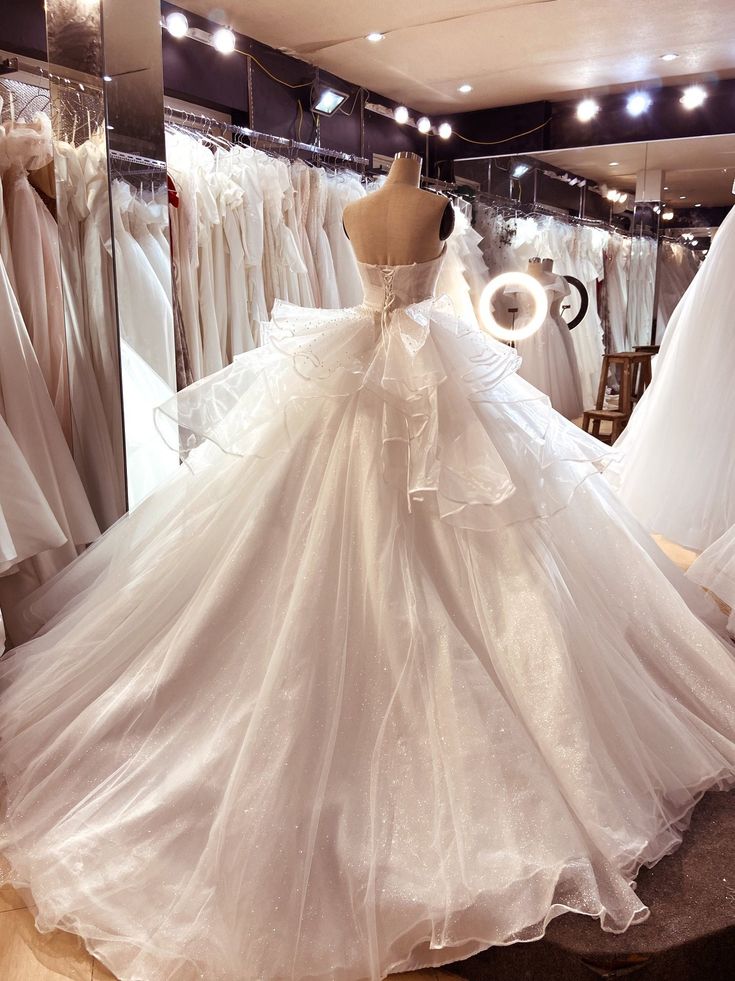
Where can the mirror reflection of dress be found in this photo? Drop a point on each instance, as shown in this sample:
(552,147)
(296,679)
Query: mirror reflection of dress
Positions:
(385,676)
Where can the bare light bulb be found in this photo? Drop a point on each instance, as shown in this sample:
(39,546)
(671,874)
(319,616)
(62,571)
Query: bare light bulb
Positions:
(424,125)
(177,25)
(445,131)
(224,40)
(400,114)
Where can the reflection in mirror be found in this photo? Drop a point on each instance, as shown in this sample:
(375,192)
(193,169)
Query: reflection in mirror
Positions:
(631,222)
(44,445)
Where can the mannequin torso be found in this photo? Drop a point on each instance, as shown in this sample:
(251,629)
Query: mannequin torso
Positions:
(400,224)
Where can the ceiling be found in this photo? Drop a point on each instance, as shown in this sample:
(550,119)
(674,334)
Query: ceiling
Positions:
(702,168)
(510,51)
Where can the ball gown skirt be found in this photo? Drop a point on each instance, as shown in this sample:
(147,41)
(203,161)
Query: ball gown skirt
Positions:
(386,675)
(674,468)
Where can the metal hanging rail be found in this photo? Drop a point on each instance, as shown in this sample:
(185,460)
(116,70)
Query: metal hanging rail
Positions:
(201,120)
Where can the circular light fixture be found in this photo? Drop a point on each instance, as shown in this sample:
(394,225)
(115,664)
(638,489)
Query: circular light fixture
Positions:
(666,189)
(682,197)
(177,25)
(424,125)
(526,282)
(693,97)
(107,78)
(587,110)
(465,88)
(638,103)
(374,37)
(670,56)
(400,114)
(224,40)
(614,163)
(667,215)
(445,131)
(695,241)
(698,205)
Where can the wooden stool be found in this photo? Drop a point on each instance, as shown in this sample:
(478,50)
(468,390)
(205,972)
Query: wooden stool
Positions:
(597,416)
(635,376)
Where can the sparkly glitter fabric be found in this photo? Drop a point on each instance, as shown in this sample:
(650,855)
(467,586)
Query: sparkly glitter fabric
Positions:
(385,676)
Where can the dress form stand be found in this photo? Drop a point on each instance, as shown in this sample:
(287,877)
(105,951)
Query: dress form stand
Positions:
(400,224)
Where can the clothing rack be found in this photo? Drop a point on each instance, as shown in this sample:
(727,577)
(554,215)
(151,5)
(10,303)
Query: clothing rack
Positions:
(510,208)
(201,121)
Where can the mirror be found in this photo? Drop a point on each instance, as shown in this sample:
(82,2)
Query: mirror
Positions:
(631,222)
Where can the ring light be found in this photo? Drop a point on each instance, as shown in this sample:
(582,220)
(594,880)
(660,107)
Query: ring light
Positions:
(526,282)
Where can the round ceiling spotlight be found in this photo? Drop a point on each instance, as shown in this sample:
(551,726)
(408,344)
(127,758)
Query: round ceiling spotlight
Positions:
(445,131)
(374,37)
(670,56)
(424,125)
(400,114)
(524,282)
(638,103)
(682,197)
(587,110)
(614,163)
(693,97)
(177,25)
(224,40)
(464,89)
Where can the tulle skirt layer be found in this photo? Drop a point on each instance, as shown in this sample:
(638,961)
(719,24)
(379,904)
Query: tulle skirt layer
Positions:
(297,717)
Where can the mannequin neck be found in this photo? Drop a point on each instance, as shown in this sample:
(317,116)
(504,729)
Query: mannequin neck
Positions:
(404,170)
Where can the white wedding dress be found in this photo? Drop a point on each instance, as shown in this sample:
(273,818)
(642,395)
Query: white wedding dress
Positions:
(385,676)
(715,570)
(673,465)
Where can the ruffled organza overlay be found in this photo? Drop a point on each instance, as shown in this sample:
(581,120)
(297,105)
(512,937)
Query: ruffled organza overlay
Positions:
(385,676)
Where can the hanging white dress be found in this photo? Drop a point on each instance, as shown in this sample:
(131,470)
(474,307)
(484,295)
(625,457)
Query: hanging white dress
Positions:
(617,271)
(37,278)
(673,466)
(323,262)
(29,414)
(587,265)
(27,523)
(548,359)
(386,676)
(341,191)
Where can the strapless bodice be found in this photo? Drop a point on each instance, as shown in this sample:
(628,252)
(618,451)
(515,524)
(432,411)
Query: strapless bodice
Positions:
(391,287)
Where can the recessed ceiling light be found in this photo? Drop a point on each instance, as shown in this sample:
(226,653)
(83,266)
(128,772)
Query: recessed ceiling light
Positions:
(682,197)
(374,36)
(666,189)
(614,163)
(465,88)
(671,56)
(587,110)
(698,205)
(520,169)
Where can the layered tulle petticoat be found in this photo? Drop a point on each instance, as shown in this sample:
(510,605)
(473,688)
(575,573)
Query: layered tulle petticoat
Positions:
(385,676)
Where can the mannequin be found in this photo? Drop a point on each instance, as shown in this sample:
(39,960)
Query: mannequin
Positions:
(400,224)
(549,362)
(543,271)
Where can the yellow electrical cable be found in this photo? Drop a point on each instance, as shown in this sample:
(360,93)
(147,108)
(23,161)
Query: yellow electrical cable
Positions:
(281,81)
(507,139)
(301,85)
